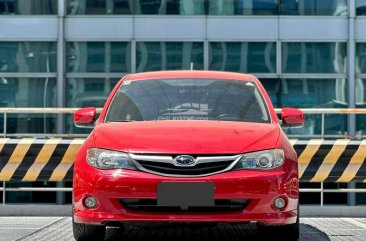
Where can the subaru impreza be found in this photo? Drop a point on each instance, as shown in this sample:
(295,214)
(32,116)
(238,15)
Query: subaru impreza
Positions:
(187,146)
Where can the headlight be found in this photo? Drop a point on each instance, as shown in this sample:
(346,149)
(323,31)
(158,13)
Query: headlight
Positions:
(105,159)
(262,160)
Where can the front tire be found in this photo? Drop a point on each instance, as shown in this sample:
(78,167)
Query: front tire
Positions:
(289,232)
(86,232)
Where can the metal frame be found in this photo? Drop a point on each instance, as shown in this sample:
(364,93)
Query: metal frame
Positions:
(322,191)
(60,189)
(310,111)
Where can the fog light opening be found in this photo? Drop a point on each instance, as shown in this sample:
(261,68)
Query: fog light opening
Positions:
(280,203)
(90,202)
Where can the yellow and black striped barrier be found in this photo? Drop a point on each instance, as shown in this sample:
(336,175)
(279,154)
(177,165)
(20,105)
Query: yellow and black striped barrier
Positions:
(31,160)
(28,160)
(341,160)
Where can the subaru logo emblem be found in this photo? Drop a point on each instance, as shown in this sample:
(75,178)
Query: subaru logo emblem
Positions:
(184,160)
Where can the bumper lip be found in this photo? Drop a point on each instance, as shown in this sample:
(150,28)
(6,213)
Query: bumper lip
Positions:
(275,218)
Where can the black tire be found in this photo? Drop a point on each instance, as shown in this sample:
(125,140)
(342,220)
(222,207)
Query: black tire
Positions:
(289,232)
(86,232)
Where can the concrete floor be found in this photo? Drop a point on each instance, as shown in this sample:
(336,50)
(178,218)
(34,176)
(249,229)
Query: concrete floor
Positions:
(59,229)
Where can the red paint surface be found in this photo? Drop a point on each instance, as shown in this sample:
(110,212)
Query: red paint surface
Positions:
(187,137)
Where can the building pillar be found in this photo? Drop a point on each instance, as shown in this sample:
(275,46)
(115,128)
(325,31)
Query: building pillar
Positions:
(60,123)
(351,80)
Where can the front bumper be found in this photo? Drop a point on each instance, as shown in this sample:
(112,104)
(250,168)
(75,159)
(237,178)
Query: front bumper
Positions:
(259,187)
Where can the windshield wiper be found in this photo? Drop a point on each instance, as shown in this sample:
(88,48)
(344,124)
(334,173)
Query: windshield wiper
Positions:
(182,109)
(122,121)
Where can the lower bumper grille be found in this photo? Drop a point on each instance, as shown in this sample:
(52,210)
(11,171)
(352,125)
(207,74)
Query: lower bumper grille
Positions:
(150,205)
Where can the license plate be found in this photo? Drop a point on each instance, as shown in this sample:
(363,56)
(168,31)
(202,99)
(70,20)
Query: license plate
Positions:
(186,194)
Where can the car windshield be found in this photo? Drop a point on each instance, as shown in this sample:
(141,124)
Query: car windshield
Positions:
(188,99)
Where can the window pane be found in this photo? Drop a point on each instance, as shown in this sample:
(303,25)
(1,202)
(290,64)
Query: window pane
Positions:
(82,7)
(86,92)
(272,87)
(307,93)
(361,7)
(177,7)
(314,57)
(20,92)
(243,7)
(243,57)
(314,7)
(31,197)
(361,58)
(334,124)
(361,197)
(29,56)
(311,93)
(28,7)
(316,93)
(361,103)
(361,93)
(98,57)
(168,56)
(28,92)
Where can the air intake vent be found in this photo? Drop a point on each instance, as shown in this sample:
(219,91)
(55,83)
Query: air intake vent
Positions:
(150,205)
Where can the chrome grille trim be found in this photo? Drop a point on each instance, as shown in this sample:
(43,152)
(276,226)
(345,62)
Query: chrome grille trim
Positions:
(169,160)
(207,159)
(152,158)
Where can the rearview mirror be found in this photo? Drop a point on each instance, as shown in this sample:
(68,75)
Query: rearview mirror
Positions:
(85,117)
(292,117)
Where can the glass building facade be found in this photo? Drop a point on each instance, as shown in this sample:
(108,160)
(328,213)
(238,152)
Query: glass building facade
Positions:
(70,53)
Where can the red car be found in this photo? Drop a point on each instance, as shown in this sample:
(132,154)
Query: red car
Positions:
(186,146)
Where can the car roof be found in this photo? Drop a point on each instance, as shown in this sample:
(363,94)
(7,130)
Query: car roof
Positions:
(191,74)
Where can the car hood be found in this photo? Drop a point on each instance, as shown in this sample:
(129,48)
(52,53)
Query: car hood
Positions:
(186,137)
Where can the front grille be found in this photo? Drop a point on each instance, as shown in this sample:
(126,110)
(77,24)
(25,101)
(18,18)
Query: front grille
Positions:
(199,169)
(165,165)
(150,205)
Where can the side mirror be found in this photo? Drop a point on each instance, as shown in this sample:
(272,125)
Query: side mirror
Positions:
(292,117)
(85,117)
